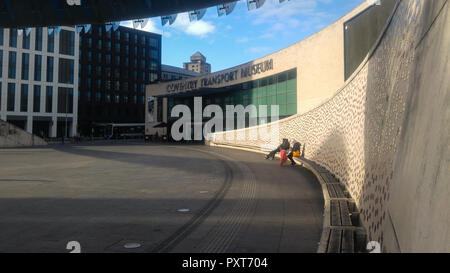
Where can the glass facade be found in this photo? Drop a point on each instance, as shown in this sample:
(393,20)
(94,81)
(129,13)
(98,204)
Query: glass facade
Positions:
(280,89)
(12,65)
(13,37)
(49,69)
(25,66)
(11,97)
(37,67)
(25,41)
(24,98)
(67,42)
(65,100)
(114,65)
(38,41)
(51,42)
(49,99)
(37,99)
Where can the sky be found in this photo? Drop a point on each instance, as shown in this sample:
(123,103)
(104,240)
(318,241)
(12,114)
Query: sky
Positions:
(245,35)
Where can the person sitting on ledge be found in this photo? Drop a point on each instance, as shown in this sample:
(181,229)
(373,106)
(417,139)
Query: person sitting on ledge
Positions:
(295,151)
(283,146)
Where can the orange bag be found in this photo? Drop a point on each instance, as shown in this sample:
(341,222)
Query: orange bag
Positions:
(296,154)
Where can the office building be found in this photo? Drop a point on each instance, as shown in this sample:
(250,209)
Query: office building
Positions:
(38,79)
(198,64)
(115,67)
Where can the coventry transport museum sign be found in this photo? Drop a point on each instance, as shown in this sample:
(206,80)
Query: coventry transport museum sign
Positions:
(216,79)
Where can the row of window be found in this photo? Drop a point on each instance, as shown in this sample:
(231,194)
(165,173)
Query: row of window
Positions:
(143,63)
(66,68)
(116,85)
(65,99)
(118,34)
(145,52)
(66,40)
(150,76)
(115,98)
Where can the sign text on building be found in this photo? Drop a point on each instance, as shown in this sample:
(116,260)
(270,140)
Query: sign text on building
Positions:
(218,79)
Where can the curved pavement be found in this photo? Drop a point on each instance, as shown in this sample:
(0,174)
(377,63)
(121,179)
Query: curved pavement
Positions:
(105,196)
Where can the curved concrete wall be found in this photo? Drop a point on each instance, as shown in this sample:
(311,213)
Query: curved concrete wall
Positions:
(385,134)
(12,136)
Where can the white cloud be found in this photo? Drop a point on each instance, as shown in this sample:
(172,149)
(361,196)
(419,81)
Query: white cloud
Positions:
(200,28)
(196,28)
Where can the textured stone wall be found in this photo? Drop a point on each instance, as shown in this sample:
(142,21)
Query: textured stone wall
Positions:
(358,133)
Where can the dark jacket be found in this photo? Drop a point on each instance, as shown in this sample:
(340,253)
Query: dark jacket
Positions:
(285,145)
(296,146)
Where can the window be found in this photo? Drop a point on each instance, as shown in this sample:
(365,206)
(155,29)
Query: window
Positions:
(13,37)
(11,97)
(25,41)
(25,66)
(49,69)
(24,98)
(37,67)
(37,99)
(51,42)
(65,100)
(12,65)
(153,42)
(66,71)
(67,42)
(49,99)
(38,41)
(1,36)
(154,54)
(99,44)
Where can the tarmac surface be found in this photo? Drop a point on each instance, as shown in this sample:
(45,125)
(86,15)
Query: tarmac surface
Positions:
(165,198)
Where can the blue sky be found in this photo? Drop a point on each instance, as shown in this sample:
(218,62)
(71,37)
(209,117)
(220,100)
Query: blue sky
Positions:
(244,35)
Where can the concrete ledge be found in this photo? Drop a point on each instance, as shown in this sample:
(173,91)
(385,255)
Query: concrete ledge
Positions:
(324,177)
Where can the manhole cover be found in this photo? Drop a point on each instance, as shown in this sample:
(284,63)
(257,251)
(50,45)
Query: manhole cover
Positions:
(204,192)
(183,210)
(132,245)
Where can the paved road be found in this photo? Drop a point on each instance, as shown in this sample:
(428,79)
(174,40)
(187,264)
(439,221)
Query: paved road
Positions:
(105,196)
